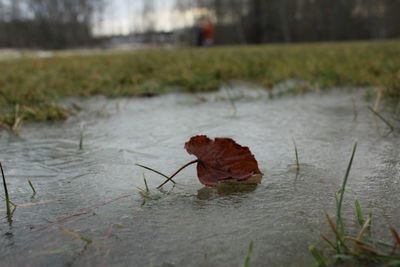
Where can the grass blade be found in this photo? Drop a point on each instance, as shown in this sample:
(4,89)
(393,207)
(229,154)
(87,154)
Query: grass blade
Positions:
(7,199)
(327,240)
(359,213)
(367,250)
(75,235)
(232,101)
(361,245)
(82,128)
(144,192)
(369,226)
(155,171)
(317,256)
(145,183)
(17,121)
(366,225)
(355,113)
(339,239)
(31,185)
(248,257)
(396,236)
(297,154)
(342,191)
(382,118)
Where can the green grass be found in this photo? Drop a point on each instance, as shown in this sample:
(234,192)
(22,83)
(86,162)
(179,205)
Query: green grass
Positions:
(249,254)
(31,186)
(340,197)
(6,196)
(391,127)
(360,249)
(155,171)
(38,85)
(296,153)
(81,135)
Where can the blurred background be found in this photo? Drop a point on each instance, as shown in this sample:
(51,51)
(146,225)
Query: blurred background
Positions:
(61,24)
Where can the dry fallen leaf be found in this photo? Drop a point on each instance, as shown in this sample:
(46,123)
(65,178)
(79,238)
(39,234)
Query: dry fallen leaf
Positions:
(221,159)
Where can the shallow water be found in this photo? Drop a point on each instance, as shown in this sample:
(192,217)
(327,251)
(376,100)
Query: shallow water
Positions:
(181,227)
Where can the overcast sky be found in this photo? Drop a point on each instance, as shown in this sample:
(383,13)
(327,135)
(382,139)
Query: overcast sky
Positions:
(125,16)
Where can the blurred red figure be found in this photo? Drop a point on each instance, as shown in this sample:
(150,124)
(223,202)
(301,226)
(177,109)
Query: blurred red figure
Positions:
(208,32)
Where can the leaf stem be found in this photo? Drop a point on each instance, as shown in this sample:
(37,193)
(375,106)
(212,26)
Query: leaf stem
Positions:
(178,171)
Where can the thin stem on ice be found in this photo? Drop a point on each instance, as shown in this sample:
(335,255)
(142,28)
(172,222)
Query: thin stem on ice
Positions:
(180,169)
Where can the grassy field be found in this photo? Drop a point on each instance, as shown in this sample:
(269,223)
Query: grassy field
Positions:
(33,87)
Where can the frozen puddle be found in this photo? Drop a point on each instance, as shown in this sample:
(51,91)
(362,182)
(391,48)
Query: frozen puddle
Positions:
(184,227)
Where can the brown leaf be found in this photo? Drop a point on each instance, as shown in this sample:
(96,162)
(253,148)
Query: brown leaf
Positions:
(221,159)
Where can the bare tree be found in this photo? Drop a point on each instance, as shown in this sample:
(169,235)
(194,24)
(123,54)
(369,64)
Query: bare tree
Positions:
(48,24)
(239,12)
(148,16)
(258,21)
(66,23)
